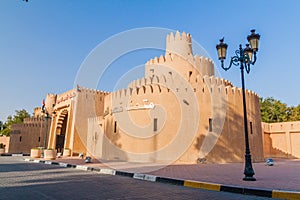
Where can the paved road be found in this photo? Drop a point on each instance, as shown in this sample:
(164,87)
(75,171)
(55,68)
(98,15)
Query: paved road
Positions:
(23,180)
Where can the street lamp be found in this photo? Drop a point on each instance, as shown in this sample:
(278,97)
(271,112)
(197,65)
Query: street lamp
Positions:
(46,115)
(245,58)
(45,138)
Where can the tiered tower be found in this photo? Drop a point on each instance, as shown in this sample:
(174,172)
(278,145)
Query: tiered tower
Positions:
(179,59)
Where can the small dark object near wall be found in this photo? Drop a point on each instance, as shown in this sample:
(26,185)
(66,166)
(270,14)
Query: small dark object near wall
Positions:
(87,159)
(270,162)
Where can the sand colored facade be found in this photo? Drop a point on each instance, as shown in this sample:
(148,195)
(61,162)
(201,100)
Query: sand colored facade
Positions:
(179,112)
(32,133)
(70,115)
(282,139)
(5,141)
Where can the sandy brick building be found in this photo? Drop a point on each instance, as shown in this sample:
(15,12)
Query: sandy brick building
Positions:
(179,112)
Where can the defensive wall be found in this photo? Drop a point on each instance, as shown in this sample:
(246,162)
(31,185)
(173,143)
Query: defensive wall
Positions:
(216,98)
(89,104)
(28,135)
(282,139)
(5,141)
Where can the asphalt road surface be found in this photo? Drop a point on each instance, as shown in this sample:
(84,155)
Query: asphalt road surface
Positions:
(24,180)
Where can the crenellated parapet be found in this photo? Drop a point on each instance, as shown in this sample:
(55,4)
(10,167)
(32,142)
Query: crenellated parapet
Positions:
(28,123)
(64,98)
(198,61)
(91,91)
(37,109)
(169,80)
(162,80)
(230,91)
(203,65)
(37,112)
(33,120)
(71,94)
(50,102)
(186,37)
(142,89)
(206,85)
(212,80)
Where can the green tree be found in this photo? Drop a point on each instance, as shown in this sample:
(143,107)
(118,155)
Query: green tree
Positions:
(294,113)
(18,118)
(273,110)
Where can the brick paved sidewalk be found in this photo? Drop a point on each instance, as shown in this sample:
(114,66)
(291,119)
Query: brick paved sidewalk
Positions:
(284,175)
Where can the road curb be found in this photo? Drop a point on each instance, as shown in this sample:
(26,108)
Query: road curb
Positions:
(15,154)
(186,183)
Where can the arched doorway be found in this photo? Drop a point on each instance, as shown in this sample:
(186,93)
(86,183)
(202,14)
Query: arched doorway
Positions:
(61,131)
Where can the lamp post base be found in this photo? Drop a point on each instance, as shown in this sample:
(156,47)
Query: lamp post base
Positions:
(249,172)
(249,178)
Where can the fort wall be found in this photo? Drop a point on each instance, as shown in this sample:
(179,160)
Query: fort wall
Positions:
(28,135)
(5,141)
(89,104)
(216,99)
(281,139)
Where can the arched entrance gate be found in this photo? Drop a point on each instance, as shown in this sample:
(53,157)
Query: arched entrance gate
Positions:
(61,129)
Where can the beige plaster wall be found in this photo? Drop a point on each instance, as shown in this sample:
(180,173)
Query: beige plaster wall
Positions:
(75,106)
(28,135)
(5,140)
(60,106)
(89,104)
(214,100)
(282,139)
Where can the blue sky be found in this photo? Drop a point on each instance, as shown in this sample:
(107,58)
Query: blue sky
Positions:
(43,43)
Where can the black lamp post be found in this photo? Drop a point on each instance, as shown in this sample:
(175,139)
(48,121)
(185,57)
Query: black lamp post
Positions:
(244,58)
(45,138)
(46,115)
